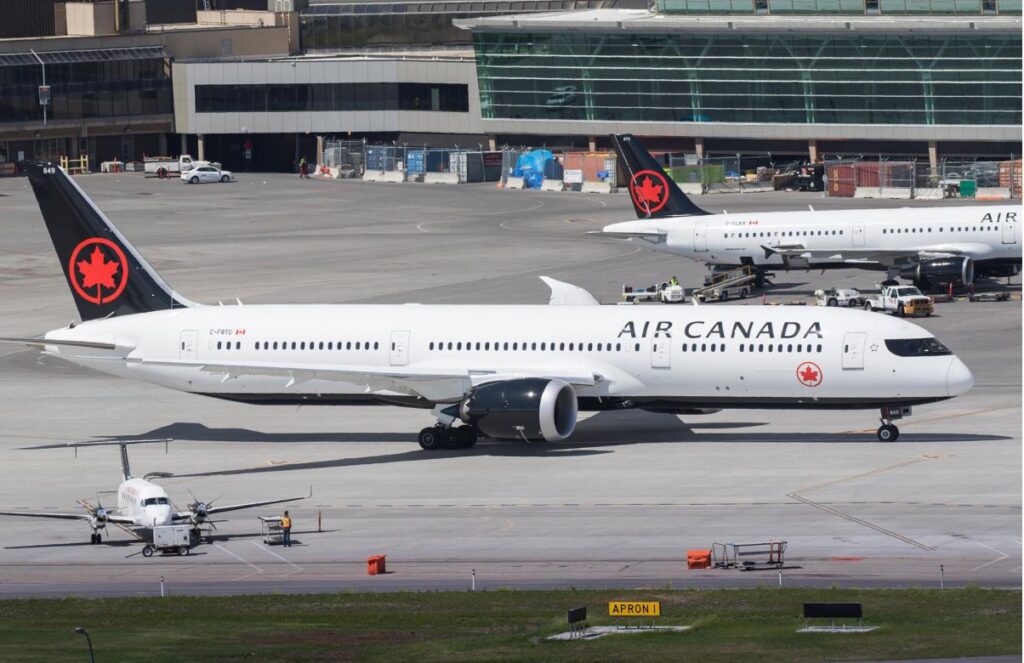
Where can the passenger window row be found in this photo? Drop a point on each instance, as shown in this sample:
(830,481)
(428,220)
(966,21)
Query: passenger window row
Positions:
(751,347)
(516,346)
(957,229)
(786,233)
(314,345)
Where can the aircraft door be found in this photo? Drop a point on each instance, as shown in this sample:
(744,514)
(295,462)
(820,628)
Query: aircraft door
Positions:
(399,348)
(189,341)
(1010,229)
(858,234)
(700,237)
(661,352)
(853,351)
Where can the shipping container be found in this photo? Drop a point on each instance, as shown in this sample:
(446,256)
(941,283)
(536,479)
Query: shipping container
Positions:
(885,174)
(1010,177)
(840,181)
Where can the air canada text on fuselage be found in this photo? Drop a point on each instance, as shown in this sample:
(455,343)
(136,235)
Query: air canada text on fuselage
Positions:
(720,329)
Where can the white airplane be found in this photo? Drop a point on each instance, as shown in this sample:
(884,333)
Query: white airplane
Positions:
(143,505)
(932,246)
(506,372)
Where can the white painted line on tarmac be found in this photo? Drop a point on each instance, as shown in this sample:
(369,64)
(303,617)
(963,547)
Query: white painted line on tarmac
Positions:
(264,548)
(419,226)
(242,560)
(1001,557)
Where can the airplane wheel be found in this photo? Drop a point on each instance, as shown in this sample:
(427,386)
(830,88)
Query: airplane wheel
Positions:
(182,551)
(467,437)
(832,301)
(147,551)
(451,439)
(92,538)
(888,433)
(99,538)
(430,438)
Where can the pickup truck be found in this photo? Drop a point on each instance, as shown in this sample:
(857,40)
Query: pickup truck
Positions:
(900,300)
(165,166)
(838,297)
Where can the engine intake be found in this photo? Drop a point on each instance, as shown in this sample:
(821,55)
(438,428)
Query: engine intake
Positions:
(531,408)
(942,271)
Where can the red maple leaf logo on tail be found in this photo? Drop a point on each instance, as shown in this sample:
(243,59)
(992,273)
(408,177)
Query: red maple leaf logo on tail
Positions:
(102,280)
(97,271)
(648,191)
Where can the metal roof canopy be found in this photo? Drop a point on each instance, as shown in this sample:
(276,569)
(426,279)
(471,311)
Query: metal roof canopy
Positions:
(78,57)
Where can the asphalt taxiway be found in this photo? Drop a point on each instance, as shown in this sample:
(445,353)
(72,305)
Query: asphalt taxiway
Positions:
(616,505)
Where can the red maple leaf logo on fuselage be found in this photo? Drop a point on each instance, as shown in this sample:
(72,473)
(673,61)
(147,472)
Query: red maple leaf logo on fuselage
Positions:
(97,271)
(808,374)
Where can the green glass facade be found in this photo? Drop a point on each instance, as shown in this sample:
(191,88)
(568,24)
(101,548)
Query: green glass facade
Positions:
(810,78)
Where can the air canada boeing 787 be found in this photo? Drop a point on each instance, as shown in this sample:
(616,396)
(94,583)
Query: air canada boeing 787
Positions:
(504,372)
(932,246)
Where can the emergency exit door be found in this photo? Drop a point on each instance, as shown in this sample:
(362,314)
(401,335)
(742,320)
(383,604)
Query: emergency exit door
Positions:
(661,353)
(1010,229)
(189,340)
(853,351)
(700,237)
(399,348)
(858,234)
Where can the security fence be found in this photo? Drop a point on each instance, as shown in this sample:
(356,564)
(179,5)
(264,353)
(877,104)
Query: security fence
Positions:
(918,179)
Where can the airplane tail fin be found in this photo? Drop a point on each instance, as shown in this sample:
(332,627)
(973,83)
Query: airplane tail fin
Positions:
(107,276)
(126,470)
(654,194)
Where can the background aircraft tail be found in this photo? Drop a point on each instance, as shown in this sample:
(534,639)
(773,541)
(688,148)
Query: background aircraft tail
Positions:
(107,276)
(653,192)
(126,470)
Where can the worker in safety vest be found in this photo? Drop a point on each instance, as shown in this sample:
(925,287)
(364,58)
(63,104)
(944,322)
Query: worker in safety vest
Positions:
(286,528)
(673,281)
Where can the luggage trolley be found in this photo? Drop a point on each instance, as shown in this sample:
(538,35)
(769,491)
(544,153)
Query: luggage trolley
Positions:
(270,530)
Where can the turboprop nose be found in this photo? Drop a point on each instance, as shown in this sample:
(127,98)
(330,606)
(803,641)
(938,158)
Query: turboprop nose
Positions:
(959,379)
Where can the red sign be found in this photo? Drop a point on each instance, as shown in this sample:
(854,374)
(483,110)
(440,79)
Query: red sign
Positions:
(809,374)
(649,189)
(101,274)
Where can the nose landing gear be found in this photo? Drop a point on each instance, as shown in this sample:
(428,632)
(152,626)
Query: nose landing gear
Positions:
(888,432)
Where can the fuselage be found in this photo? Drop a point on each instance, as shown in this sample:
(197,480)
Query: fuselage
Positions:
(677,356)
(987,234)
(146,503)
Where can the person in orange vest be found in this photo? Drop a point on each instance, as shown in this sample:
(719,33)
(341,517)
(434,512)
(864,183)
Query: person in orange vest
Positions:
(286,528)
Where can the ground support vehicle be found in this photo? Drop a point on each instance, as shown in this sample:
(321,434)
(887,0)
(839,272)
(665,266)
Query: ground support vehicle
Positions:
(838,297)
(901,301)
(667,293)
(724,285)
(169,538)
(164,167)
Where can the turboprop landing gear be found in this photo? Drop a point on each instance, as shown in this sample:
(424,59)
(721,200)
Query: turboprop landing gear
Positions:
(888,432)
(96,538)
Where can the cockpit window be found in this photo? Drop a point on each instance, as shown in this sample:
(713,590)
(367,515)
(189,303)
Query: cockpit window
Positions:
(916,347)
(153,501)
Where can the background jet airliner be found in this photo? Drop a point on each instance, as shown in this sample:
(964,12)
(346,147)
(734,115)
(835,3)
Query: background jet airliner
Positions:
(143,505)
(507,372)
(932,246)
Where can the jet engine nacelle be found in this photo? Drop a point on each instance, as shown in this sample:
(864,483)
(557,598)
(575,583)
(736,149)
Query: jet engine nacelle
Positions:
(941,271)
(531,408)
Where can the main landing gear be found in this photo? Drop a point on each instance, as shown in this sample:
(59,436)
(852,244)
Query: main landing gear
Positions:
(888,432)
(447,437)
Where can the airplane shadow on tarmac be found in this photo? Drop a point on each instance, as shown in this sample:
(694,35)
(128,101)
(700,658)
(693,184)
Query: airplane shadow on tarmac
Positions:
(597,435)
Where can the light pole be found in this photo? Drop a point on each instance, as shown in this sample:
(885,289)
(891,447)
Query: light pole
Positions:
(81,631)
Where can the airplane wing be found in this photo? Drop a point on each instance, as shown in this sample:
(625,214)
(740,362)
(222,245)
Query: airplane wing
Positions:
(887,257)
(42,342)
(433,383)
(67,516)
(654,235)
(250,505)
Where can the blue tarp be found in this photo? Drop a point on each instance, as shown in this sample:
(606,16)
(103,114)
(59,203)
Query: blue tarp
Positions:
(530,166)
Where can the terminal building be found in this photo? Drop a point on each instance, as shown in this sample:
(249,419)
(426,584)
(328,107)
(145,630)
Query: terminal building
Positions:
(255,83)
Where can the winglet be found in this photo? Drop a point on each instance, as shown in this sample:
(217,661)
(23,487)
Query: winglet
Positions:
(567,294)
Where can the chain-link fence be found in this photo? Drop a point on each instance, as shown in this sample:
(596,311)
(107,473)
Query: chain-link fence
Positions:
(723,173)
(344,158)
(918,179)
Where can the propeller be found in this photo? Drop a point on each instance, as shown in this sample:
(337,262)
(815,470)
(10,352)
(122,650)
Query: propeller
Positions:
(201,510)
(99,515)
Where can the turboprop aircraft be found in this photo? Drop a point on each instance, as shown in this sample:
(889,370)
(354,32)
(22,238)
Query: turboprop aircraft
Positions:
(932,246)
(506,372)
(143,505)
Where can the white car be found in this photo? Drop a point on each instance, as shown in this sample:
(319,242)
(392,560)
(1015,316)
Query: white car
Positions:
(206,174)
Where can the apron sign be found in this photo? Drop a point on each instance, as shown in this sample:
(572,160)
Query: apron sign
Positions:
(634,608)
